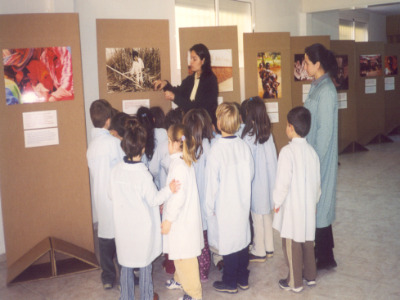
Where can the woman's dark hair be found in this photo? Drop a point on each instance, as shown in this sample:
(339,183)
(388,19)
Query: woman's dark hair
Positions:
(202,51)
(318,52)
(243,110)
(199,126)
(159,116)
(300,118)
(134,139)
(174,116)
(257,121)
(118,122)
(145,118)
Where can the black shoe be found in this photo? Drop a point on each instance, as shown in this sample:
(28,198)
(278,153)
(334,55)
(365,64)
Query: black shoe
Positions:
(243,286)
(326,265)
(269,254)
(310,282)
(255,258)
(285,286)
(220,286)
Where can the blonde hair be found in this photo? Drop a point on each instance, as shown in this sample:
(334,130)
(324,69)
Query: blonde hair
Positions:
(179,133)
(228,117)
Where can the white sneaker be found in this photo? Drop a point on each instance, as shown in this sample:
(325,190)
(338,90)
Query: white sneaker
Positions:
(171,284)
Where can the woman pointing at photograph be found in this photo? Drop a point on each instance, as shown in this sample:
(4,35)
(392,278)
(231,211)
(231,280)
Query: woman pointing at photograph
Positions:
(199,90)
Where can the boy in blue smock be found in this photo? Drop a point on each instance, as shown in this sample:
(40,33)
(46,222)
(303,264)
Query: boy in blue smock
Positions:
(229,173)
(103,153)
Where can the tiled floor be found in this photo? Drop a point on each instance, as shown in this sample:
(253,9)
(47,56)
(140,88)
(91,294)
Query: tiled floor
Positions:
(367,237)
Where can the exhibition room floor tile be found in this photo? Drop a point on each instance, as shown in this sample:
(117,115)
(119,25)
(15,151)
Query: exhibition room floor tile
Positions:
(367,246)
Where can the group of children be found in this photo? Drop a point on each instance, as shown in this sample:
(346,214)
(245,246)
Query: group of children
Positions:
(205,182)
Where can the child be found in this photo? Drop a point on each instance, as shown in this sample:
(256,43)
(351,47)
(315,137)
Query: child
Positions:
(229,172)
(199,124)
(136,216)
(296,193)
(181,226)
(145,118)
(158,116)
(257,134)
(117,125)
(103,153)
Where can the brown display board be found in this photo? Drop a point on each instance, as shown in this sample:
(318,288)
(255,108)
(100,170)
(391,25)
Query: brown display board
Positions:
(214,38)
(370,99)
(297,46)
(45,189)
(392,97)
(347,134)
(269,43)
(133,34)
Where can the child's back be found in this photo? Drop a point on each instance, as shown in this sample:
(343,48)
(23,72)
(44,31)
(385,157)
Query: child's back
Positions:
(229,174)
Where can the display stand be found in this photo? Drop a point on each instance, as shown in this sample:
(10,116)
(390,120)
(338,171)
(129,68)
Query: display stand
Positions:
(131,34)
(45,189)
(392,92)
(370,100)
(214,38)
(255,43)
(347,131)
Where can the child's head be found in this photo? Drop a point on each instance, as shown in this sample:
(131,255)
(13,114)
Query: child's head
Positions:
(135,55)
(198,122)
(300,118)
(180,140)
(145,118)
(257,120)
(228,118)
(158,116)
(118,123)
(174,116)
(100,112)
(134,141)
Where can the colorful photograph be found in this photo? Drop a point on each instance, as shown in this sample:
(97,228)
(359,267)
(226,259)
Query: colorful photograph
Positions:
(132,69)
(35,75)
(390,65)
(341,81)
(269,75)
(370,65)
(221,65)
(300,73)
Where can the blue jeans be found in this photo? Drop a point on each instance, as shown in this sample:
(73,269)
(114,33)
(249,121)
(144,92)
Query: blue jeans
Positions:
(145,283)
(235,268)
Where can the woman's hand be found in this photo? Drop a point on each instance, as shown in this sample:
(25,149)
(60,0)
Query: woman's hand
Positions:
(165,227)
(169,95)
(158,85)
(174,186)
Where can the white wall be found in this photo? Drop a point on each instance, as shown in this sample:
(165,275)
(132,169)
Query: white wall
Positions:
(325,23)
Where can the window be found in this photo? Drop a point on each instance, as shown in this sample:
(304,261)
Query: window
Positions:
(194,13)
(353,30)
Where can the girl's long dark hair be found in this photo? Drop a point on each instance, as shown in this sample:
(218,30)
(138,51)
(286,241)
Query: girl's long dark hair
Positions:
(198,122)
(318,52)
(145,118)
(257,121)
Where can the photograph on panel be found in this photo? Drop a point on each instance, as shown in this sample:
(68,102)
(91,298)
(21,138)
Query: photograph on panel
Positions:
(132,69)
(221,65)
(269,75)
(35,75)
(341,80)
(300,73)
(370,65)
(391,65)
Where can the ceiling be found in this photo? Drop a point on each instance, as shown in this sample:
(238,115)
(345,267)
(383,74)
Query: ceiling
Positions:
(384,9)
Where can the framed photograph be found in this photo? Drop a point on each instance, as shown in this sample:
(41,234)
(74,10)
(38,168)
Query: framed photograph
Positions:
(132,69)
(300,73)
(370,65)
(34,75)
(390,65)
(269,75)
(341,81)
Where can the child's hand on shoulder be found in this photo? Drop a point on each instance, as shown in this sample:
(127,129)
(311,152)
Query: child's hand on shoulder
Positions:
(165,227)
(175,186)
(276,209)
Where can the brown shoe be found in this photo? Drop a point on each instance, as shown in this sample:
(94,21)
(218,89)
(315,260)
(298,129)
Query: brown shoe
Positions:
(155,296)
